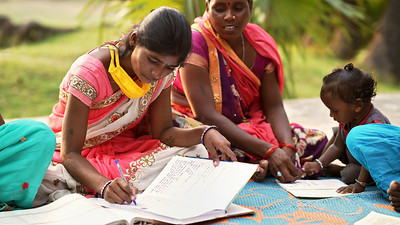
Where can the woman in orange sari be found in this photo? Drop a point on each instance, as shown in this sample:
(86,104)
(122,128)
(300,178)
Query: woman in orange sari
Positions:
(233,78)
(114,103)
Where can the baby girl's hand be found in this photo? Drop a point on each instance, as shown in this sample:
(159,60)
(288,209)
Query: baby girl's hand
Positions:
(352,188)
(311,168)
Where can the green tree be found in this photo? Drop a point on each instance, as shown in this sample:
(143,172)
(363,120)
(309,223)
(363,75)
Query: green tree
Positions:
(288,21)
(384,50)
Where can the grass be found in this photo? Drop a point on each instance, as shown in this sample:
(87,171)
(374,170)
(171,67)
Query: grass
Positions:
(30,74)
(55,13)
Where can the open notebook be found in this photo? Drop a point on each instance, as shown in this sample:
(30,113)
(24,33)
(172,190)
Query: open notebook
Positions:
(319,188)
(70,209)
(188,190)
(191,190)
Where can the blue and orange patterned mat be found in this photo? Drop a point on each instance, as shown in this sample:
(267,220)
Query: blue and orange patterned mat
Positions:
(273,205)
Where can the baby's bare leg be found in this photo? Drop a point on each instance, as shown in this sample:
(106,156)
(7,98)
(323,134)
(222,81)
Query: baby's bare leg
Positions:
(394,195)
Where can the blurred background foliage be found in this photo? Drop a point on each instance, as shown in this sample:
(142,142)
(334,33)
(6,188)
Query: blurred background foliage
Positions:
(341,27)
(313,36)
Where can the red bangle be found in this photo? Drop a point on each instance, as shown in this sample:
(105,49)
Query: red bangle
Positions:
(269,152)
(288,145)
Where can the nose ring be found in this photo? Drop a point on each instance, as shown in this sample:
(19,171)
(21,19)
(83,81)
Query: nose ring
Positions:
(234,17)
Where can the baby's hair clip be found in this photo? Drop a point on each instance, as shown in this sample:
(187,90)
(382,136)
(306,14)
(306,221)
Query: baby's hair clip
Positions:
(349,67)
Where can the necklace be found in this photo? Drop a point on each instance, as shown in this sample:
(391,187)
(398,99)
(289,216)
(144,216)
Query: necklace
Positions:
(241,35)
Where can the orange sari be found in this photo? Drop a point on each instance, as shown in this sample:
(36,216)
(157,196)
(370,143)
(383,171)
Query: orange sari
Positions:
(236,88)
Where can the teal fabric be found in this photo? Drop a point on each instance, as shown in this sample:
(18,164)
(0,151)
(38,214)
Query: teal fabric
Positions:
(26,150)
(377,147)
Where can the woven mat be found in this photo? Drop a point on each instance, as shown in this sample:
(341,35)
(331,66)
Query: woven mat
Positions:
(273,205)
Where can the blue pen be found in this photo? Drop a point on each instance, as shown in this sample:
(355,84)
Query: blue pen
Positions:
(122,175)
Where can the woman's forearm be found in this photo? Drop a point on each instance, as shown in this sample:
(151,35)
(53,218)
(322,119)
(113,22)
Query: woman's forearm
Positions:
(280,125)
(181,137)
(84,172)
(238,137)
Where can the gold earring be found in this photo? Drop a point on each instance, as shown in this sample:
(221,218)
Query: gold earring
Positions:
(234,17)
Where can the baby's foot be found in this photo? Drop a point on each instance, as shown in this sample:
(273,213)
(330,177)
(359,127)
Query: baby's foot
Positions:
(262,171)
(394,195)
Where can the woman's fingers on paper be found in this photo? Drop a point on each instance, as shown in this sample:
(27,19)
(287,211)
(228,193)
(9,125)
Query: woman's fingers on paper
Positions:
(279,173)
(291,172)
(282,167)
(224,146)
(214,154)
(135,191)
(219,144)
(224,157)
(288,173)
(285,175)
(229,154)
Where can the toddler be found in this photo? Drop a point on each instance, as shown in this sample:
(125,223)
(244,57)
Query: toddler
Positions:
(347,93)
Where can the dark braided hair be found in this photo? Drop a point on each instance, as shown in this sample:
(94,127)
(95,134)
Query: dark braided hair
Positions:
(349,84)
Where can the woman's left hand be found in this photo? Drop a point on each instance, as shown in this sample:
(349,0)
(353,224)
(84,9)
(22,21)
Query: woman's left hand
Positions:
(282,167)
(218,146)
(352,188)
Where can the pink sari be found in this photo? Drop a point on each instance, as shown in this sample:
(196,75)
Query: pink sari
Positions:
(118,127)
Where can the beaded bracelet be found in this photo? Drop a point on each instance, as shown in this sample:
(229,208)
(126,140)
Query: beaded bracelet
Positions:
(288,145)
(320,163)
(269,152)
(205,131)
(104,188)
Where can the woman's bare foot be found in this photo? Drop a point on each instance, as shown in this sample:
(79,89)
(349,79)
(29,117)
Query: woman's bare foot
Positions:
(262,172)
(394,195)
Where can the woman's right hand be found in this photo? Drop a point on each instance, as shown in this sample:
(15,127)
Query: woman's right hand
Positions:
(119,191)
(282,167)
(218,146)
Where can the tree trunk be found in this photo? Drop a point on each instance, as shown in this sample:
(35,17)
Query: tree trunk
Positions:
(346,46)
(384,50)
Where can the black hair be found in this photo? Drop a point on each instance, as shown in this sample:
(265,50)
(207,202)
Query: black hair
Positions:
(164,30)
(349,84)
